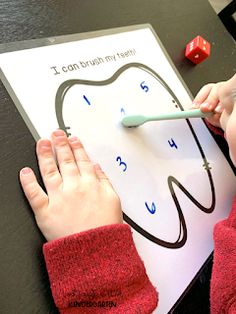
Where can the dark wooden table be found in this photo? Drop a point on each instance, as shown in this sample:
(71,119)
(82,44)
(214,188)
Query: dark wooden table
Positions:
(24,286)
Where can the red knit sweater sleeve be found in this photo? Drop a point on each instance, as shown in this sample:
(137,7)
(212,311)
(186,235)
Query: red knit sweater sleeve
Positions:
(223,281)
(99,270)
(214,129)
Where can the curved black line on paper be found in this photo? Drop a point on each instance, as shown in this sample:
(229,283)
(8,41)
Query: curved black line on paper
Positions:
(172,182)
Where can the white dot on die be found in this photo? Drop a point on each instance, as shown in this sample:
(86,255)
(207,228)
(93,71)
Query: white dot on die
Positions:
(196,56)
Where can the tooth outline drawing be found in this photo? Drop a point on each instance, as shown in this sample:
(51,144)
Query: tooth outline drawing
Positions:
(172,181)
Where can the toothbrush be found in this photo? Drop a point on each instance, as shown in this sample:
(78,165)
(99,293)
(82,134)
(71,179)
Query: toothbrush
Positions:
(137,120)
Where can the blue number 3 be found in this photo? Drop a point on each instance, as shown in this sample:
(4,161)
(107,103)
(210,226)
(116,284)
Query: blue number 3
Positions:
(121,163)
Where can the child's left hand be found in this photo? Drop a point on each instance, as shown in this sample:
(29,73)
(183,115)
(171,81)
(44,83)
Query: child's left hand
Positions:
(79,195)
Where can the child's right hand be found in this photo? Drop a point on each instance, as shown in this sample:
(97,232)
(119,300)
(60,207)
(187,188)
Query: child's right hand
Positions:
(219,98)
(207,99)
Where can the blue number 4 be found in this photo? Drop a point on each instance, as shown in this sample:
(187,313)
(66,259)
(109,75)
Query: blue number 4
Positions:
(172,143)
(151,209)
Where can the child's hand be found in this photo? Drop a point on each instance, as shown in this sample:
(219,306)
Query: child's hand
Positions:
(207,99)
(227,96)
(79,195)
(221,97)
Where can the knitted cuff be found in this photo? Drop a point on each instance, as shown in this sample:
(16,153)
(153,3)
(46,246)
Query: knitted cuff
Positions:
(214,129)
(231,220)
(223,283)
(98,265)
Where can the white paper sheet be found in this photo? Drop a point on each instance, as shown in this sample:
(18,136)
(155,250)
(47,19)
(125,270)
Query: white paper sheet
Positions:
(173,180)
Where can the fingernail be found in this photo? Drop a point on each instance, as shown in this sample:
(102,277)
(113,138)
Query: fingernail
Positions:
(206,106)
(195,104)
(73,138)
(219,109)
(58,133)
(97,167)
(44,144)
(26,170)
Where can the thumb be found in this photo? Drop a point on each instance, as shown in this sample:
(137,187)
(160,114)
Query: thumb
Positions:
(35,195)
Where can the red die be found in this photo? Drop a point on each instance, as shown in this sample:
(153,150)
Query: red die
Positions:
(197,50)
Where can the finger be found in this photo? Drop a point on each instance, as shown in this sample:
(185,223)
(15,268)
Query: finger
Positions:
(82,159)
(227,94)
(215,120)
(35,195)
(101,175)
(212,100)
(47,165)
(65,158)
(219,108)
(202,94)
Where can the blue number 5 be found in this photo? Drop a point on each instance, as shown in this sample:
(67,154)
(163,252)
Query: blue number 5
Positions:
(144,87)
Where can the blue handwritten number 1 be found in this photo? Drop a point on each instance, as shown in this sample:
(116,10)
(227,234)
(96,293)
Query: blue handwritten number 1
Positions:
(86,99)
(151,209)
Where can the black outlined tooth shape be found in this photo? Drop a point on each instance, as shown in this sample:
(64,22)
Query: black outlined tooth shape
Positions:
(171,181)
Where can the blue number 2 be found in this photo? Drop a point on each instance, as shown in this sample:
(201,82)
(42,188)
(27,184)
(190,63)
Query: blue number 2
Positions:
(122,110)
(151,209)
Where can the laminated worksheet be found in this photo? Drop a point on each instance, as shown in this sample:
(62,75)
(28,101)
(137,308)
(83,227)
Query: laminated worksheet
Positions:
(168,174)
